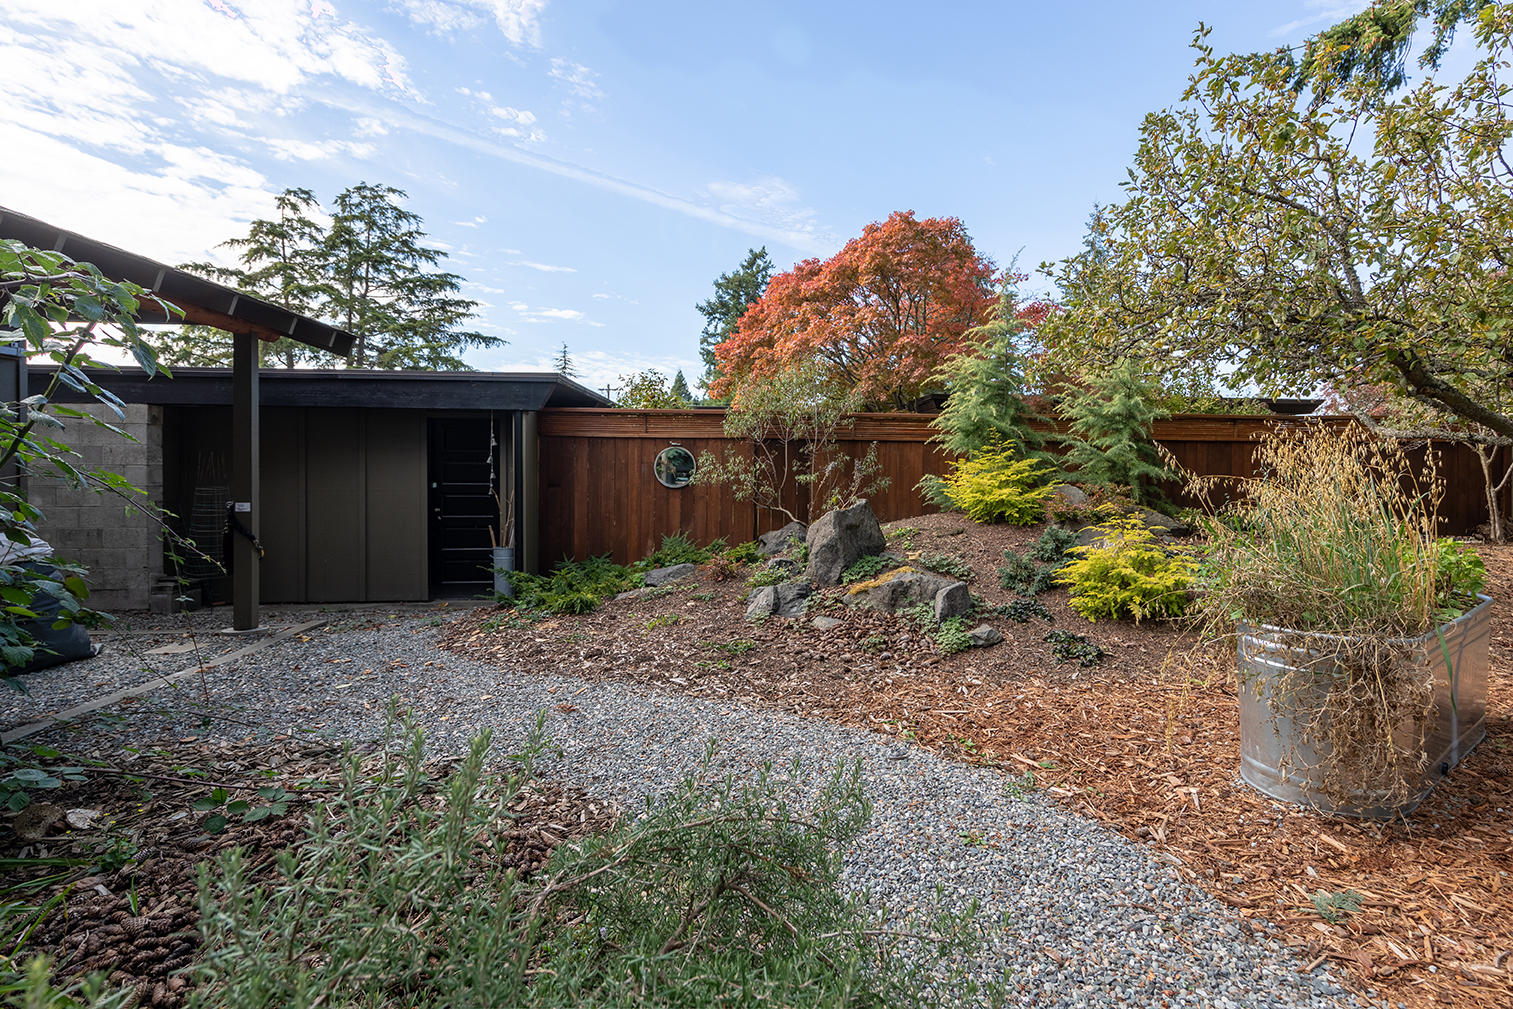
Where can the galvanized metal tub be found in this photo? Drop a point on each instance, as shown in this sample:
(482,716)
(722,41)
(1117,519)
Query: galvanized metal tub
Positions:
(1458,723)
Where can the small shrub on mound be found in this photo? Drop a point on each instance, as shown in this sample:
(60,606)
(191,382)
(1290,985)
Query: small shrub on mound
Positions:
(1128,574)
(1069,647)
(1102,504)
(677,548)
(867,568)
(743,553)
(1052,546)
(993,486)
(1024,576)
(948,564)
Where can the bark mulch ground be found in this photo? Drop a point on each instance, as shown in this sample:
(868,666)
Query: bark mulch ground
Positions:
(1146,741)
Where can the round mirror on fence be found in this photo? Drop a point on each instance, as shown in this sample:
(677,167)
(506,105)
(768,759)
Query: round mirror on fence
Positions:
(674,467)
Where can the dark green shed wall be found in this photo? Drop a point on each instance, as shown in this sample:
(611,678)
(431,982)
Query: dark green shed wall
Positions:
(343,497)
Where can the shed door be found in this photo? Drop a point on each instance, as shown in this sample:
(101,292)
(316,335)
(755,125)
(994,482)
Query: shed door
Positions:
(462,507)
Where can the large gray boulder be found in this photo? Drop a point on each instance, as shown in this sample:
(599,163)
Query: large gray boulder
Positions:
(897,589)
(763,602)
(778,540)
(841,538)
(791,599)
(665,576)
(952,601)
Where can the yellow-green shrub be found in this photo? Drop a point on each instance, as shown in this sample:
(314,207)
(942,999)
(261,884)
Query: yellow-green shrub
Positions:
(1128,574)
(993,486)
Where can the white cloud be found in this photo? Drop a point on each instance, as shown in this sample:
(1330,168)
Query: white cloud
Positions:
(578,78)
(805,237)
(597,369)
(369,127)
(518,20)
(543,267)
(473,223)
(769,200)
(1326,10)
(172,214)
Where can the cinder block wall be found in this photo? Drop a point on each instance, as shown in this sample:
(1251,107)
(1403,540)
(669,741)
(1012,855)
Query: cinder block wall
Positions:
(120,546)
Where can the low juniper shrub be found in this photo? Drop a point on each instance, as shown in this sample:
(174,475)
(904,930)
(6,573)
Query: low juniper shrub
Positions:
(1069,647)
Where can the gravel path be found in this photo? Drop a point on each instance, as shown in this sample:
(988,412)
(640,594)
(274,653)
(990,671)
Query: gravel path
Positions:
(1128,930)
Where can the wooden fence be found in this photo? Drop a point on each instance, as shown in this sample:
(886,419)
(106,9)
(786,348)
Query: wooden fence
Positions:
(599,496)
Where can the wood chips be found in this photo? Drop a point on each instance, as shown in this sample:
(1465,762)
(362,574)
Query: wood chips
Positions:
(1417,911)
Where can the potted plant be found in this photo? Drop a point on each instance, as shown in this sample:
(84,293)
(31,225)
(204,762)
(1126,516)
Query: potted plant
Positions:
(1361,636)
(503,542)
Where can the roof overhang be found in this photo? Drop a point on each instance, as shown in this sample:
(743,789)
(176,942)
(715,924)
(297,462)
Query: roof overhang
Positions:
(202,301)
(330,387)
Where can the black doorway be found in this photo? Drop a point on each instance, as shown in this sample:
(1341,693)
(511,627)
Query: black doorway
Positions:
(462,508)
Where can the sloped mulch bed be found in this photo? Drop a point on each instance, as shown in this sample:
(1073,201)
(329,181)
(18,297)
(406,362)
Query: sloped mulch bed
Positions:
(1146,741)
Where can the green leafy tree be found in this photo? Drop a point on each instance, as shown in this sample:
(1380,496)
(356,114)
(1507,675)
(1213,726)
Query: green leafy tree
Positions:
(1350,238)
(63,311)
(384,290)
(790,422)
(734,293)
(1110,442)
(1371,47)
(680,389)
(279,261)
(647,390)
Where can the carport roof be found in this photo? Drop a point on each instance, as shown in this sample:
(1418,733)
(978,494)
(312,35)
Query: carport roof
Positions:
(202,301)
(346,387)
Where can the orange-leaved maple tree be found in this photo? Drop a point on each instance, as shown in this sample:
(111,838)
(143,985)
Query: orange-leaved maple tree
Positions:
(881,315)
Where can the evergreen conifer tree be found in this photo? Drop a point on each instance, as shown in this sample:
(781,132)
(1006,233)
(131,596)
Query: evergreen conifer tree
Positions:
(734,293)
(563,363)
(986,407)
(680,389)
(384,290)
(1110,441)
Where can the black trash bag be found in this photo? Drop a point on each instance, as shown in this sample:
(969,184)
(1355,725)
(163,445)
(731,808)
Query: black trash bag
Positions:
(53,647)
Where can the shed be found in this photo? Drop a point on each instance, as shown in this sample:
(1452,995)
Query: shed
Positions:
(377,486)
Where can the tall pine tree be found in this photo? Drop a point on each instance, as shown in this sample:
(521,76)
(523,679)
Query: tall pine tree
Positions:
(385,291)
(279,261)
(734,293)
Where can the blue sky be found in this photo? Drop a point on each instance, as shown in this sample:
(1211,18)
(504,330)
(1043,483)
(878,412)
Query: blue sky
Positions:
(591,167)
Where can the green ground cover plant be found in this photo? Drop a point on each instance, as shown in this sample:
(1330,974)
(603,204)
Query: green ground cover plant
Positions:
(948,564)
(572,587)
(399,898)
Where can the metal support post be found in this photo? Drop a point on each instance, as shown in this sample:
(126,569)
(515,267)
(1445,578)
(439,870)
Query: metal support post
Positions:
(245,481)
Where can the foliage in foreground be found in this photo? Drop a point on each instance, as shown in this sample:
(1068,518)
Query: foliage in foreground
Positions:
(994,486)
(724,893)
(1128,574)
(64,312)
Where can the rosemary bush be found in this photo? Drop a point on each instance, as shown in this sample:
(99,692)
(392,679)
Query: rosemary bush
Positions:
(723,893)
